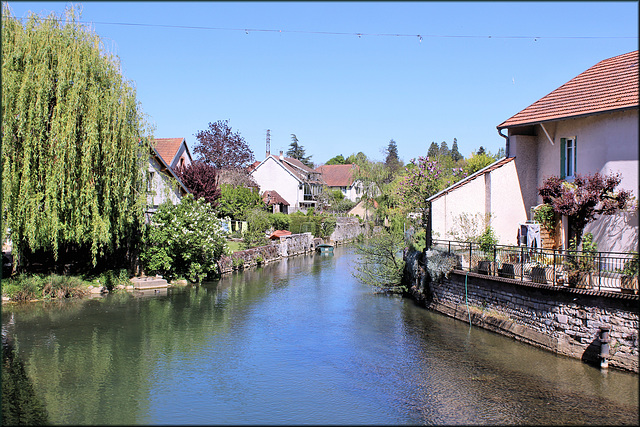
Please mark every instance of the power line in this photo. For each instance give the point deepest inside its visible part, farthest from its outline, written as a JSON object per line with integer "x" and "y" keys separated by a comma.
{"x": 333, "y": 33}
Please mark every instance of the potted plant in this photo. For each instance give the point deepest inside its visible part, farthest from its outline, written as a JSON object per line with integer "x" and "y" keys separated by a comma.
{"x": 629, "y": 279}
{"x": 487, "y": 242}
{"x": 580, "y": 266}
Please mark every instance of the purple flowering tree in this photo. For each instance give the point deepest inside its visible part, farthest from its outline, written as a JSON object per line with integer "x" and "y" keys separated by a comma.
{"x": 584, "y": 198}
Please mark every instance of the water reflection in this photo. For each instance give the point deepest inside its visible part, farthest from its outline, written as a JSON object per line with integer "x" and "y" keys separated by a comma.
{"x": 296, "y": 342}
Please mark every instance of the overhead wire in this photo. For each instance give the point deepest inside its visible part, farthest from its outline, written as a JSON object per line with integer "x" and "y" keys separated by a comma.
{"x": 358, "y": 34}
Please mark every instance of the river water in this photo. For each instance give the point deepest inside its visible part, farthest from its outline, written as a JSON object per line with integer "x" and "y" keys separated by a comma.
{"x": 296, "y": 342}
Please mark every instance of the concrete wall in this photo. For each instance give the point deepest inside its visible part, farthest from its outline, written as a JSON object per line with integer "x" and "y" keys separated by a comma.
{"x": 558, "y": 319}
{"x": 497, "y": 192}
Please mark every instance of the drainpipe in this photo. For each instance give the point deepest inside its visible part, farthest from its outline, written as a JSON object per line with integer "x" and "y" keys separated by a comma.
{"x": 506, "y": 143}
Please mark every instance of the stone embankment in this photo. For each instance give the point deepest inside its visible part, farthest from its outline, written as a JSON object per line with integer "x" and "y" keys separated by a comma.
{"x": 294, "y": 244}
{"x": 559, "y": 319}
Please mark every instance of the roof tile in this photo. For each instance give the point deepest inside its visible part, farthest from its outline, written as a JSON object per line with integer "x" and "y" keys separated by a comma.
{"x": 611, "y": 84}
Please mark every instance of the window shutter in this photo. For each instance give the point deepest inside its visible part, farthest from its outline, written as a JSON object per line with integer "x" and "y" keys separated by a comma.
{"x": 575, "y": 155}
{"x": 563, "y": 160}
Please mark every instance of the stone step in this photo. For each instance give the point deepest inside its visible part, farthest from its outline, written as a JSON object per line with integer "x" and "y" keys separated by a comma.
{"x": 149, "y": 282}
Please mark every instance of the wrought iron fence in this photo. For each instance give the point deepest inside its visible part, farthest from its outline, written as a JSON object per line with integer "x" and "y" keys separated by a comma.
{"x": 607, "y": 271}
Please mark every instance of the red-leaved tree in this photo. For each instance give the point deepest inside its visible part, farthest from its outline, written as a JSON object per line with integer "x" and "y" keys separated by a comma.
{"x": 201, "y": 180}
{"x": 584, "y": 198}
{"x": 222, "y": 148}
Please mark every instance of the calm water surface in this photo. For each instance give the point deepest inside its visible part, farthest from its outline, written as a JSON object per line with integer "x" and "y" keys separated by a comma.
{"x": 297, "y": 342}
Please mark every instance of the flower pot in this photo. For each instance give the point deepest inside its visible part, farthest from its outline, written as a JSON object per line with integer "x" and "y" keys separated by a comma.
{"x": 629, "y": 285}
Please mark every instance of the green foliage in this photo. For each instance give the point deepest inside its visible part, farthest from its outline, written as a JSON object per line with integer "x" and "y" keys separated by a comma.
{"x": 478, "y": 161}
{"x": 632, "y": 266}
{"x": 183, "y": 240}
{"x": 380, "y": 262}
{"x": 259, "y": 222}
{"x": 26, "y": 287}
{"x": 488, "y": 240}
{"x": 296, "y": 151}
{"x": 280, "y": 221}
{"x": 546, "y": 216}
{"x": 578, "y": 263}
{"x": 337, "y": 160}
{"x": 73, "y": 149}
{"x": 237, "y": 202}
{"x": 20, "y": 403}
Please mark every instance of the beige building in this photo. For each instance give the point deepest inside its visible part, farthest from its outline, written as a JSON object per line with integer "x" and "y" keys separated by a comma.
{"x": 588, "y": 125}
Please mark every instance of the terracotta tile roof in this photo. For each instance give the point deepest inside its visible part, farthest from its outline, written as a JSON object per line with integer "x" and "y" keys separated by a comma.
{"x": 271, "y": 197}
{"x": 167, "y": 147}
{"x": 279, "y": 233}
{"x": 337, "y": 175}
{"x": 611, "y": 84}
{"x": 495, "y": 165}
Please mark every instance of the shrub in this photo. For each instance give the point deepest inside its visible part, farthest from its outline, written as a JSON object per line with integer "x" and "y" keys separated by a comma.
{"x": 183, "y": 240}
{"x": 439, "y": 263}
{"x": 487, "y": 240}
{"x": 63, "y": 287}
{"x": 280, "y": 221}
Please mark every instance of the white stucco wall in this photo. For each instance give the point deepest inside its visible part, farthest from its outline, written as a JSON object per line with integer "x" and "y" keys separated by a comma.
{"x": 606, "y": 143}
{"x": 162, "y": 186}
{"x": 270, "y": 175}
{"x": 497, "y": 192}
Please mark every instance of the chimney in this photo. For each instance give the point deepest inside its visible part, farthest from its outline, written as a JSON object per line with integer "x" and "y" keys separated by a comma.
{"x": 281, "y": 156}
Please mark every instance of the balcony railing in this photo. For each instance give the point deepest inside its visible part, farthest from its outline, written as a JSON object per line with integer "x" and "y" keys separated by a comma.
{"x": 605, "y": 271}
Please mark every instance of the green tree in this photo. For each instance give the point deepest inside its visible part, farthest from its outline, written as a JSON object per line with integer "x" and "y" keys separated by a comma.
{"x": 455, "y": 154}
{"x": 296, "y": 151}
{"x": 74, "y": 142}
{"x": 392, "y": 162}
{"x": 478, "y": 161}
{"x": 236, "y": 202}
{"x": 444, "y": 149}
{"x": 183, "y": 240}
{"x": 380, "y": 262}
{"x": 433, "y": 150}
{"x": 337, "y": 160}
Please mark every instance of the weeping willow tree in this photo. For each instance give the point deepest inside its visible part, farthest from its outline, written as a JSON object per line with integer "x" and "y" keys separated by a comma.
{"x": 73, "y": 140}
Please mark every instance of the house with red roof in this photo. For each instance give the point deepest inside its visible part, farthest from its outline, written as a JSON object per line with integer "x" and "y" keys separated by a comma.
{"x": 296, "y": 185}
{"x": 340, "y": 177}
{"x": 163, "y": 184}
{"x": 587, "y": 125}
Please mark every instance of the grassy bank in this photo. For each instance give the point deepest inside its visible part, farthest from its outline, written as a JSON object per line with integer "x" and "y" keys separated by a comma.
{"x": 27, "y": 287}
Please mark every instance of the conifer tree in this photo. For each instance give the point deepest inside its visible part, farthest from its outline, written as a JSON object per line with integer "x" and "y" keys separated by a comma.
{"x": 296, "y": 151}
{"x": 455, "y": 154}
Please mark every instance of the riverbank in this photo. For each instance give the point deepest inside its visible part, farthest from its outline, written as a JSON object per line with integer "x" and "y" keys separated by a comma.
{"x": 561, "y": 320}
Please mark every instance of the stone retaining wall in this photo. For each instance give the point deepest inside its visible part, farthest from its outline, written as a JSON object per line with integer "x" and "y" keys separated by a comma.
{"x": 559, "y": 319}
{"x": 294, "y": 244}
{"x": 347, "y": 229}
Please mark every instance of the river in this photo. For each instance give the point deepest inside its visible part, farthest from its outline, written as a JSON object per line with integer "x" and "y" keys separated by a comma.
{"x": 296, "y": 342}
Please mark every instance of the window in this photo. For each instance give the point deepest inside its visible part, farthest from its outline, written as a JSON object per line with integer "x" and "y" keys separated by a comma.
{"x": 150, "y": 181}
{"x": 568, "y": 149}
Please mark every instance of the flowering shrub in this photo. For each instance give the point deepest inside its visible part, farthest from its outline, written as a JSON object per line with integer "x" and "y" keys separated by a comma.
{"x": 183, "y": 240}
{"x": 439, "y": 263}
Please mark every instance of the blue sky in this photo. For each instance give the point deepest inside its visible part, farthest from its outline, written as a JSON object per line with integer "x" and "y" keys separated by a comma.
{"x": 478, "y": 63}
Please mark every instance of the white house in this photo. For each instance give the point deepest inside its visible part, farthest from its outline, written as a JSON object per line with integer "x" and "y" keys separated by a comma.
{"x": 296, "y": 184}
{"x": 340, "y": 177}
{"x": 163, "y": 184}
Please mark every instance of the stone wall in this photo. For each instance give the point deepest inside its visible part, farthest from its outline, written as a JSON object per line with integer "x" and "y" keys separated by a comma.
{"x": 559, "y": 319}
{"x": 347, "y": 229}
{"x": 291, "y": 245}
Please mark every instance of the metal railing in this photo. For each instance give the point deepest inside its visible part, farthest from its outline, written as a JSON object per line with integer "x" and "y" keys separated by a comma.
{"x": 558, "y": 267}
